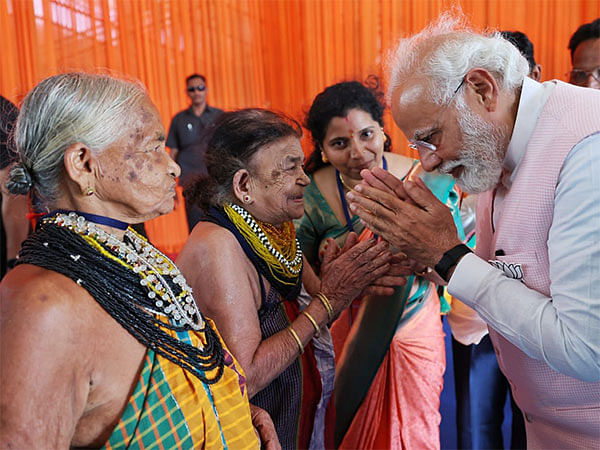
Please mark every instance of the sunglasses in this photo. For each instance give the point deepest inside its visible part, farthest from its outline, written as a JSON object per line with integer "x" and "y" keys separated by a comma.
{"x": 196, "y": 88}
{"x": 580, "y": 76}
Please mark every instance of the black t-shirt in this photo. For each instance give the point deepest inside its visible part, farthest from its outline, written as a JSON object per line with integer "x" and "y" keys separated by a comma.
{"x": 186, "y": 134}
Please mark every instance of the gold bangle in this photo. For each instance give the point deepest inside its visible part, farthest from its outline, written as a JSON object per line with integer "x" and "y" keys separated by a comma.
{"x": 326, "y": 303}
{"x": 313, "y": 321}
{"x": 298, "y": 341}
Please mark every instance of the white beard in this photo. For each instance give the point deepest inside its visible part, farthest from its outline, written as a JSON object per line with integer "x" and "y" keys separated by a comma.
{"x": 481, "y": 155}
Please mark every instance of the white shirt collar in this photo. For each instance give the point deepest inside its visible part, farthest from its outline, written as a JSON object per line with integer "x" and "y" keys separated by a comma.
{"x": 533, "y": 98}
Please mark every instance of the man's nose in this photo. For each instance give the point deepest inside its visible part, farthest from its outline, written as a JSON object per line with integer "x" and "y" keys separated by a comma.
{"x": 429, "y": 160}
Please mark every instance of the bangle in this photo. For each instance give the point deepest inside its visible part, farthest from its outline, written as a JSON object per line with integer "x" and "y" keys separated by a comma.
{"x": 298, "y": 341}
{"x": 450, "y": 259}
{"x": 326, "y": 303}
{"x": 313, "y": 321}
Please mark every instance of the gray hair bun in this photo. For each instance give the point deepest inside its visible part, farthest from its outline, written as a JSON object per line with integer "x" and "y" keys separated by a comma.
{"x": 19, "y": 180}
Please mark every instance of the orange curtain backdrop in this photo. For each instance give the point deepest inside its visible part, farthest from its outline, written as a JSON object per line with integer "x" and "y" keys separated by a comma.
{"x": 270, "y": 53}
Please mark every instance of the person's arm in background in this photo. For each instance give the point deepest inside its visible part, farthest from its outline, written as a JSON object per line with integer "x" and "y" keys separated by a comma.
{"x": 14, "y": 207}
{"x": 14, "y": 217}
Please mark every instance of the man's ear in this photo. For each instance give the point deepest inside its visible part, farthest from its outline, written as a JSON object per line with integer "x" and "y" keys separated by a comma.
{"x": 483, "y": 88}
{"x": 241, "y": 186}
{"x": 80, "y": 165}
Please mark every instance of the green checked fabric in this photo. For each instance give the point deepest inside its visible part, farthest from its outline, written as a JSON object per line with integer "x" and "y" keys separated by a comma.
{"x": 161, "y": 423}
{"x": 172, "y": 409}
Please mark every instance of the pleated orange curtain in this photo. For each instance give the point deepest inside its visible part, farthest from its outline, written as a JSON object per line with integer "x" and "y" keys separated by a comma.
{"x": 267, "y": 53}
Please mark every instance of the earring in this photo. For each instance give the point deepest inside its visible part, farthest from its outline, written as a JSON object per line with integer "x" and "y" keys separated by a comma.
{"x": 324, "y": 157}
{"x": 246, "y": 198}
{"x": 89, "y": 192}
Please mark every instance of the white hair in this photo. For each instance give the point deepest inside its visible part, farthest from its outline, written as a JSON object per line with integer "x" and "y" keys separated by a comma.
{"x": 62, "y": 110}
{"x": 481, "y": 153}
{"x": 443, "y": 53}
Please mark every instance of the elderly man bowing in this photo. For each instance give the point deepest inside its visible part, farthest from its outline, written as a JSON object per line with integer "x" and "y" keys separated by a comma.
{"x": 532, "y": 151}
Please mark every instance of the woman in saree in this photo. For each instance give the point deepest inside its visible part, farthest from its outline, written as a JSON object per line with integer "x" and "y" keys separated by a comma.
{"x": 389, "y": 350}
{"x": 248, "y": 272}
{"x": 101, "y": 342}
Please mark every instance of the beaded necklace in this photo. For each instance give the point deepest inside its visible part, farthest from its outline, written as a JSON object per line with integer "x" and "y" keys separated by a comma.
{"x": 285, "y": 256}
{"x": 273, "y": 251}
{"x": 134, "y": 283}
{"x": 145, "y": 260}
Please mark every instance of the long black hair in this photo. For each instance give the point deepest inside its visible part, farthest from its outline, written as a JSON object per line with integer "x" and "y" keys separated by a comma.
{"x": 336, "y": 101}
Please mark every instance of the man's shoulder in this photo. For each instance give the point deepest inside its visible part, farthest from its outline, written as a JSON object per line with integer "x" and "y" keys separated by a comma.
{"x": 212, "y": 112}
{"x": 576, "y": 99}
{"x": 214, "y": 109}
{"x": 181, "y": 114}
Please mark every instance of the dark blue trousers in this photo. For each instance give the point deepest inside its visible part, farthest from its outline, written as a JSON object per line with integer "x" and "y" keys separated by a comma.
{"x": 481, "y": 391}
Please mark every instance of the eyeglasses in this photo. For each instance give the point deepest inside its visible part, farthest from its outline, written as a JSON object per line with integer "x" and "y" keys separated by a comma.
{"x": 196, "y": 88}
{"x": 577, "y": 76}
{"x": 417, "y": 144}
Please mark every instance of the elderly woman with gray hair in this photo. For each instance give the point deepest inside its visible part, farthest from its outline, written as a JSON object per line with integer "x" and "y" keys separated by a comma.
{"x": 245, "y": 264}
{"x": 101, "y": 341}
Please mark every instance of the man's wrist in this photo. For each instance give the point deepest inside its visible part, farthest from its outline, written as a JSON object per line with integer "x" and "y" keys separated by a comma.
{"x": 449, "y": 260}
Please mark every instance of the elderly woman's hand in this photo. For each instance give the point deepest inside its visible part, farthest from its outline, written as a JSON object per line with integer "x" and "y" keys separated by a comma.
{"x": 265, "y": 429}
{"x": 346, "y": 273}
{"x": 395, "y": 276}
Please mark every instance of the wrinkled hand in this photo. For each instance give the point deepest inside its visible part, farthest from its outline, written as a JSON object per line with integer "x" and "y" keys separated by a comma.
{"x": 335, "y": 251}
{"x": 395, "y": 276}
{"x": 381, "y": 286}
{"x": 347, "y": 272}
{"x": 265, "y": 429}
{"x": 406, "y": 214}
{"x": 409, "y": 265}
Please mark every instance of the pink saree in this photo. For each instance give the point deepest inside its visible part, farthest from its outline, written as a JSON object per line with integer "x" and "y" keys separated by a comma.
{"x": 401, "y": 409}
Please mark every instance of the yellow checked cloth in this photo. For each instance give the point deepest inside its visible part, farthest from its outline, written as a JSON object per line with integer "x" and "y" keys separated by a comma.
{"x": 172, "y": 409}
